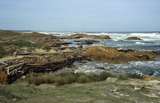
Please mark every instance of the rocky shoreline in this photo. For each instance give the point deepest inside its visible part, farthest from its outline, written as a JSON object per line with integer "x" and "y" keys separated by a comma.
{"x": 42, "y": 68}
{"x": 45, "y": 53}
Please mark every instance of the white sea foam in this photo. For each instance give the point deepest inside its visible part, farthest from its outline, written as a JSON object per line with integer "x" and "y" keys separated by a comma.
{"x": 138, "y": 67}
{"x": 123, "y": 36}
{"x": 147, "y": 36}
{"x": 114, "y": 36}
{"x": 140, "y": 43}
{"x": 144, "y": 36}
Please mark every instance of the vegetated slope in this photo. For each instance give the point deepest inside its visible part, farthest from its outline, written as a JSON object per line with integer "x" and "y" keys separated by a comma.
{"x": 11, "y": 42}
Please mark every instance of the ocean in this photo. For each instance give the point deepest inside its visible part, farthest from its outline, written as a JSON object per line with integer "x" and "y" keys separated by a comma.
{"x": 149, "y": 42}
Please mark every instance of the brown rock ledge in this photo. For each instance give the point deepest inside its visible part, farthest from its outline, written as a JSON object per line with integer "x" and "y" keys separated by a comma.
{"x": 113, "y": 55}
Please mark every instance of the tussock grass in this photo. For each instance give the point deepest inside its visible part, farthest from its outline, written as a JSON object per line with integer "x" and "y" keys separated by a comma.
{"x": 2, "y": 52}
{"x": 65, "y": 78}
{"x": 69, "y": 78}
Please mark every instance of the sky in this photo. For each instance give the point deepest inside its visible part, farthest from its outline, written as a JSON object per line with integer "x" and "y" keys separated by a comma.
{"x": 80, "y": 15}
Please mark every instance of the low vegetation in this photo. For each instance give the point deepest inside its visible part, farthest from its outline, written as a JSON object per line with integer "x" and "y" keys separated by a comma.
{"x": 111, "y": 90}
{"x": 65, "y": 78}
{"x": 11, "y": 41}
{"x": 69, "y": 78}
{"x": 2, "y": 52}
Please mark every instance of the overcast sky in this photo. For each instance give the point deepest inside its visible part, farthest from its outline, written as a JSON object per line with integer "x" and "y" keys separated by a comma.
{"x": 80, "y": 15}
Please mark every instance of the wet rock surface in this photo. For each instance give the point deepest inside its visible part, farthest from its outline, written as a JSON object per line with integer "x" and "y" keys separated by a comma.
{"x": 139, "y": 68}
{"x": 86, "y": 42}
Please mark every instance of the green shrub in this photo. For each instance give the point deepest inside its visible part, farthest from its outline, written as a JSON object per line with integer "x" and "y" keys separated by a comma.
{"x": 65, "y": 78}
{"x": 36, "y": 81}
{"x": 104, "y": 76}
{"x": 83, "y": 78}
{"x": 2, "y": 52}
{"x": 123, "y": 77}
{"x": 23, "y": 43}
{"x": 58, "y": 79}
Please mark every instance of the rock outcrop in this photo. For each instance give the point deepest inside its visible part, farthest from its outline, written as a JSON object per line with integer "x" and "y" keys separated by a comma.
{"x": 133, "y": 38}
{"x": 85, "y": 36}
{"x": 85, "y": 42}
{"x": 18, "y": 67}
{"x": 113, "y": 55}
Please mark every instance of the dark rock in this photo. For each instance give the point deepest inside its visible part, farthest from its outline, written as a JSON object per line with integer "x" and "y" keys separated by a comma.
{"x": 86, "y": 42}
{"x": 125, "y": 50}
{"x": 133, "y": 38}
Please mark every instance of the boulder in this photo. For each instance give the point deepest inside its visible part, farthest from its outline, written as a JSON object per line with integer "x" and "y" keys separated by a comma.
{"x": 133, "y": 38}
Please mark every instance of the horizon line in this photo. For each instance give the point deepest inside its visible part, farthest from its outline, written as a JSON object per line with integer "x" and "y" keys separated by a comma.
{"x": 18, "y": 30}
